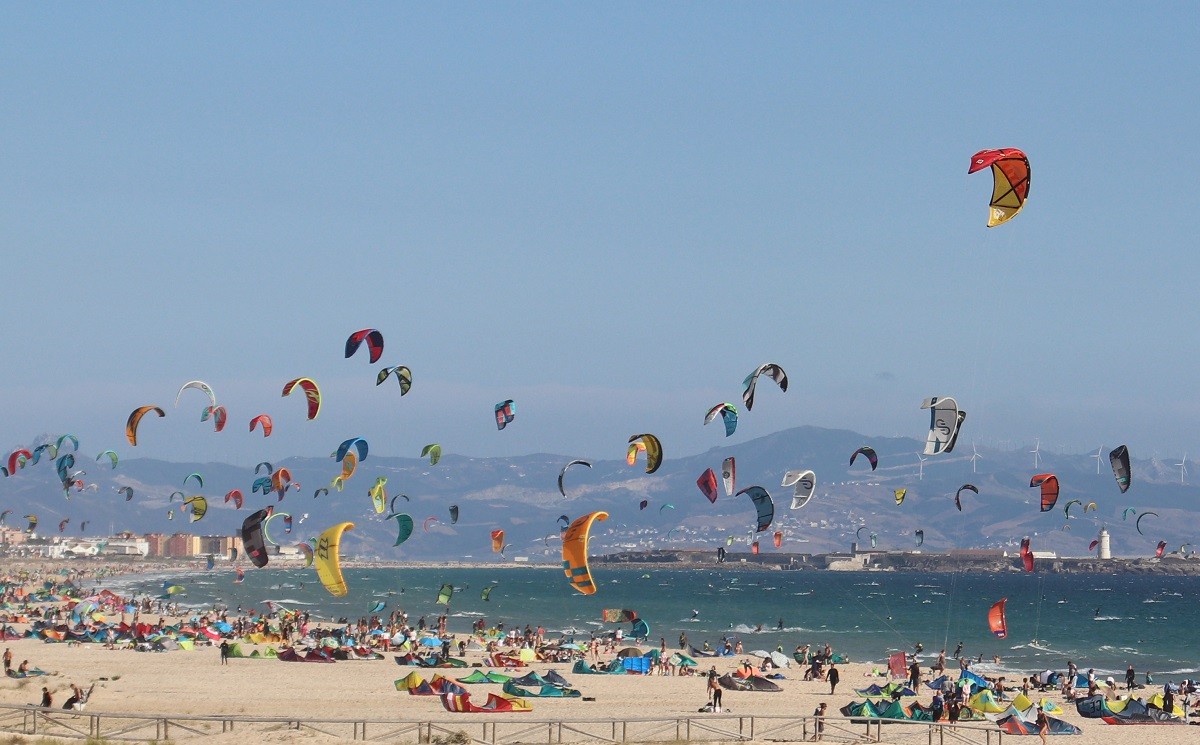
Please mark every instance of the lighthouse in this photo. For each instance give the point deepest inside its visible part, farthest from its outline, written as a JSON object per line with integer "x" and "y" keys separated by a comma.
{"x": 1105, "y": 549}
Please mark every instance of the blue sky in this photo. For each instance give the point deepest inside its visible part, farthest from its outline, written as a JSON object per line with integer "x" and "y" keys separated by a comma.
{"x": 610, "y": 213}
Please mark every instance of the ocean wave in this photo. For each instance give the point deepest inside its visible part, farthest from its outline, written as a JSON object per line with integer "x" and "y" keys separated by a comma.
{"x": 287, "y": 601}
{"x": 466, "y": 614}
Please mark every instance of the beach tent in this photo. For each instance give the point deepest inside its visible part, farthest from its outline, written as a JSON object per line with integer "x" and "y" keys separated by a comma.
{"x": 629, "y": 652}
{"x": 639, "y": 665}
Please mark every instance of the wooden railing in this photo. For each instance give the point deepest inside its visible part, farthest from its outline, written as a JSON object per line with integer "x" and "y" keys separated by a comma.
{"x": 495, "y": 729}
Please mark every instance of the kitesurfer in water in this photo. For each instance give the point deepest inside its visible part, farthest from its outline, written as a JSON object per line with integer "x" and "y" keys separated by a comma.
{"x": 695, "y": 614}
{"x": 780, "y": 626}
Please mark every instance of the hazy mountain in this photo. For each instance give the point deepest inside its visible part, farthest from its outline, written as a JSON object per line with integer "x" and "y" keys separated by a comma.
{"x": 520, "y": 495}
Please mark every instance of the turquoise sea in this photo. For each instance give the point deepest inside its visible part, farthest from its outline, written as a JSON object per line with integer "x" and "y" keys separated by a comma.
{"x": 1101, "y": 621}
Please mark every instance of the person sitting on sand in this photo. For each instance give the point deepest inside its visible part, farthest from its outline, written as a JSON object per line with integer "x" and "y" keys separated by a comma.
{"x": 23, "y": 667}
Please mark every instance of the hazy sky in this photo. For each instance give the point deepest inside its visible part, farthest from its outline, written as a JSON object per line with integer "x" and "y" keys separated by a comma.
{"x": 610, "y": 213}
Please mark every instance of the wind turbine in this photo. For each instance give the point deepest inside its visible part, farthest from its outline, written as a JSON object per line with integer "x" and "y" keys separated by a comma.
{"x": 1097, "y": 457}
{"x": 1182, "y": 465}
{"x": 974, "y": 457}
{"x": 921, "y": 467}
{"x": 1036, "y": 453}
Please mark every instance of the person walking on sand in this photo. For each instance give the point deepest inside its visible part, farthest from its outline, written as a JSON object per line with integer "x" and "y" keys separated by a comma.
{"x": 833, "y": 676}
{"x": 47, "y": 699}
{"x": 7, "y": 659}
{"x": 1043, "y": 724}
{"x": 820, "y": 715}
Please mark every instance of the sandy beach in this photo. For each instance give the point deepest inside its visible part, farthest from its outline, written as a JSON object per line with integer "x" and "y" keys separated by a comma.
{"x": 194, "y": 682}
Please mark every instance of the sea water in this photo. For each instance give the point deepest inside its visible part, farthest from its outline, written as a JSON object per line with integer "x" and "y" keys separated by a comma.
{"x": 1103, "y": 621}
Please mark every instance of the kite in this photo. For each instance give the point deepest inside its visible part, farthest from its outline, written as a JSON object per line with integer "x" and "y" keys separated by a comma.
{"x": 762, "y": 503}
{"x": 311, "y": 392}
{"x": 262, "y": 484}
{"x": 374, "y": 341}
{"x": 19, "y": 457}
{"x": 1138, "y": 523}
{"x": 199, "y": 507}
{"x": 708, "y": 485}
{"x": 210, "y": 563}
{"x": 201, "y": 386}
{"x": 958, "y": 494}
{"x": 945, "y": 420}
{"x": 1026, "y": 555}
{"x": 269, "y": 468}
{"x": 317, "y": 493}
{"x": 127, "y": 491}
{"x": 1119, "y": 459}
{"x": 1067, "y": 509}
{"x": 33, "y": 521}
{"x": 920, "y": 536}
{"x": 307, "y": 551}
{"x": 219, "y": 416}
{"x": 1090, "y": 507}
{"x": 238, "y": 575}
{"x": 403, "y": 377}
{"x": 563, "y": 472}
{"x": 198, "y": 477}
{"x": 51, "y": 448}
{"x": 328, "y": 559}
{"x": 1127, "y": 512}
{"x": 805, "y": 483}
{"x": 643, "y": 504}
{"x": 778, "y": 538}
{"x": 280, "y": 481}
{"x": 267, "y": 526}
{"x": 486, "y": 594}
{"x": 575, "y": 552}
{"x": 729, "y": 475}
{"x": 112, "y": 456}
{"x": 74, "y": 443}
{"x": 632, "y": 453}
{"x": 62, "y": 524}
{"x": 506, "y": 411}
{"x": 869, "y": 452}
{"x": 1049, "y": 484}
{"x": 253, "y": 543}
{"x": 135, "y": 418}
{"x": 379, "y": 495}
{"x": 445, "y": 594}
{"x": 357, "y": 443}
{"x": 773, "y": 371}
{"x": 497, "y": 541}
{"x": 428, "y": 521}
{"x": 996, "y": 620}
{"x": 654, "y": 453}
{"x": 899, "y": 495}
{"x": 235, "y": 495}
{"x": 434, "y": 451}
{"x": 349, "y": 466}
{"x": 392, "y": 506}
{"x": 727, "y": 412}
{"x": 404, "y": 528}
{"x": 1158, "y": 552}
{"x": 265, "y": 422}
{"x": 453, "y": 514}
{"x": 1010, "y": 181}
{"x": 666, "y": 506}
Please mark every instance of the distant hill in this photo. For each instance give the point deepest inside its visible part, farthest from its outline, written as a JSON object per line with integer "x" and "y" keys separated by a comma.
{"x": 520, "y": 495}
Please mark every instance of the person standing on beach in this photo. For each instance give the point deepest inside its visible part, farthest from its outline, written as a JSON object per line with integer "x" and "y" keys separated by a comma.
{"x": 1043, "y": 724}
{"x": 683, "y": 640}
{"x": 7, "y": 659}
{"x": 1130, "y": 678}
{"x": 914, "y": 675}
{"x": 714, "y": 691}
{"x": 820, "y": 715}
{"x": 224, "y": 651}
{"x": 833, "y": 676}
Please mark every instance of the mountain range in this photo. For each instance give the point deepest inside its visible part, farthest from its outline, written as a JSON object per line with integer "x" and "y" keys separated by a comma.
{"x": 520, "y": 496}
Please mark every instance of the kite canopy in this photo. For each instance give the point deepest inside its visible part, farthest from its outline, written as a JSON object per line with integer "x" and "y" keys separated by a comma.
{"x": 254, "y": 543}
{"x": 135, "y": 418}
{"x": 264, "y": 421}
{"x": 1010, "y": 181}
{"x": 404, "y": 528}
{"x": 945, "y": 419}
{"x": 402, "y": 374}
{"x": 1049, "y": 484}
{"x": 497, "y": 541}
{"x": 805, "y": 483}
{"x": 772, "y": 371}
{"x": 654, "y": 453}
{"x": 311, "y": 392}
{"x": 763, "y": 504}
{"x": 729, "y": 475}
{"x": 374, "y": 341}
{"x": 575, "y": 552}
{"x": 1026, "y": 555}
{"x": 506, "y": 411}
{"x": 727, "y": 412}
{"x": 899, "y": 495}
{"x": 708, "y": 485}
{"x": 958, "y": 494}
{"x": 434, "y": 451}
{"x": 1119, "y": 459}
{"x": 199, "y": 385}
{"x": 869, "y": 452}
{"x": 563, "y": 473}
{"x": 996, "y": 620}
{"x": 1138, "y": 523}
{"x": 328, "y": 559}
